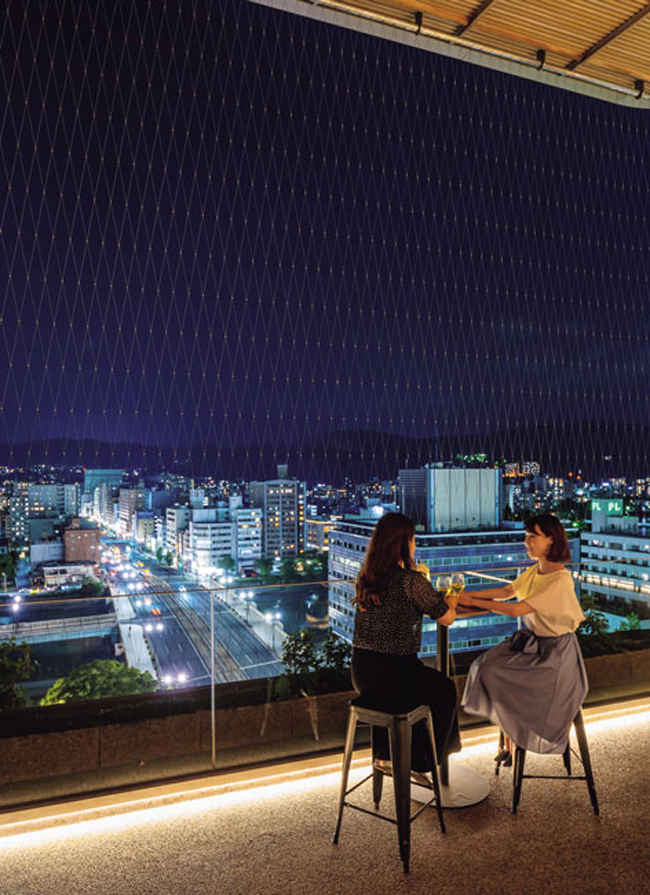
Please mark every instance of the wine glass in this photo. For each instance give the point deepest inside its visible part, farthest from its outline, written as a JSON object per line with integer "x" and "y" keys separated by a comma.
{"x": 457, "y": 583}
{"x": 443, "y": 585}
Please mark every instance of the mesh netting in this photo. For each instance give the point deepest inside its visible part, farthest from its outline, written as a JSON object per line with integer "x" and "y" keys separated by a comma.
{"x": 231, "y": 237}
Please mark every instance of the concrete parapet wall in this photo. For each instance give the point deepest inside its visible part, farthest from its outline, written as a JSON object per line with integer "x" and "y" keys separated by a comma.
{"x": 39, "y": 756}
{"x": 147, "y": 749}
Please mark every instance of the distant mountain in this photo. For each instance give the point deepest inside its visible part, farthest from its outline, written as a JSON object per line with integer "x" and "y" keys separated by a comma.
{"x": 596, "y": 448}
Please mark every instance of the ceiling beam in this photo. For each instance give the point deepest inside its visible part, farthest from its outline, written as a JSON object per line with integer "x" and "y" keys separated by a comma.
{"x": 475, "y": 16}
{"x": 380, "y": 24}
{"x": 605, "y": 41}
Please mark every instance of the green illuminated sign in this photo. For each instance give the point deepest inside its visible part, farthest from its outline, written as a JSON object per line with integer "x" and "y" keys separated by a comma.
{"x": 609, "y": 507}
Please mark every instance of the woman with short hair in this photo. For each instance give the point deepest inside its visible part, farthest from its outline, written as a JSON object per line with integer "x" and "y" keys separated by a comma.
{"x": 533, "y": 684}
{"x": 391, "y": 598}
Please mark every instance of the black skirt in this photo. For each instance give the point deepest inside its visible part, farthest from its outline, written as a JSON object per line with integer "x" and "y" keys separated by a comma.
{"x": 401, "y": 682}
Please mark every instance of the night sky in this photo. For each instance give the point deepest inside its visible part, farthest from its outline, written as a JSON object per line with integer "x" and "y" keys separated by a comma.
{"x": 224, "y": 225}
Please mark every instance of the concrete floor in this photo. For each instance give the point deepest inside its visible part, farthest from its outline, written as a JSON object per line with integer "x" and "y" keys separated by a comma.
{"x": 278, "y": 840}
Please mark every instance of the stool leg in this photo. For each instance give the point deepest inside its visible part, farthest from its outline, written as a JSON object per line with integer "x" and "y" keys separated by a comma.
{"x": 434, "y": 774}
{"x": 502, "y": 743}
{"x": 579, "y": 724}
{"x": 400, "y": 749}
{"x": 517, "y": 777}
{"x": 377, "y": 775}
{"x": 345, "y": 770}
{"x": 566, "y": 756}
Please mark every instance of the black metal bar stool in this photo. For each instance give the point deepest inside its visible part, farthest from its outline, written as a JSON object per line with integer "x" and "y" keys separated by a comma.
{"x": 399, "y": 725}
{"x": 518, "y": 775}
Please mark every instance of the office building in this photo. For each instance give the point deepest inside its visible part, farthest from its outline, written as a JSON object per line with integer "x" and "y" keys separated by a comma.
{"x": 444, "y": 498}
{"x": 217, "y": 533}
{"x": 211, "y": 539}
{"x": 615, "y": 563}
{"x": 93, "y": 478}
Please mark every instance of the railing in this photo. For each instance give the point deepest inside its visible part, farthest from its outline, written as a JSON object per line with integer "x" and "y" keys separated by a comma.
{"x": 206, "y": 645}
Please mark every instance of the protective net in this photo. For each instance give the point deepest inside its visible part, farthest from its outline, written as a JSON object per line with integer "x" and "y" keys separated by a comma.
{"x": 232, "y": 237}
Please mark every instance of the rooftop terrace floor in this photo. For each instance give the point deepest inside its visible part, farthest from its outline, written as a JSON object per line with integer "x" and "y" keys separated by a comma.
{"x": 277, "y": 838}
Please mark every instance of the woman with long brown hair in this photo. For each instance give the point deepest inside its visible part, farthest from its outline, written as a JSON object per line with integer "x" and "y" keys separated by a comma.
{"x": 391, "y": 598}
{"x": 533, "y": 684}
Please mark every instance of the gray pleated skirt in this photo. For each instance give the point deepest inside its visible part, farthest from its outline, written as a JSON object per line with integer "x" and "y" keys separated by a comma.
{"x": 531, "y": 687}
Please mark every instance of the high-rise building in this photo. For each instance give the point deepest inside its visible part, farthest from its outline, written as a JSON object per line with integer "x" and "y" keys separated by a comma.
{"x": 217, "y": 533}
{"x": 442, "y": 498}
{"x": 248, "y": 536}
{"x": 282, "y": 502}
{"x": 18, "y": 522}
{"x": 53, "y": 500}
{"x": 104, "y": 500}
{"x": 177, "y": 521}
{"x": 130, "y": 501}
{"x": 93, "y": 478}
{"x": 211, "y": 538}
{"x": 144, "y": 527}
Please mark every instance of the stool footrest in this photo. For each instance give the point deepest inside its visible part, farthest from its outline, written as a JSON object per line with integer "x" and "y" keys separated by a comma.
{"x": 392, "y": 820}
{"x": 551, "y": 777}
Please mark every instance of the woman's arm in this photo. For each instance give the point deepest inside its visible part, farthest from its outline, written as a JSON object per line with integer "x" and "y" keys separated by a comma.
{"x": 429, "y": 601}
{"x": 450, "y": 614}
{"x": 512, "y": 609}
{"x": 494, "y": 593}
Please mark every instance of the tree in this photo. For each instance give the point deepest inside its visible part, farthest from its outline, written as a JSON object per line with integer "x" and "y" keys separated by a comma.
{"x": 299, "y": 653}
{"x": 169, "y": 558}
{"x": 227, "y": 563}
{"x": 159, "y": 554}
{"x": 288, "y": 568}
{"x": 263, "y": 567}
{"x": 632, "y": 623}
{"x": 336, "y": 652}
{"x": 91, "y": 586}
{"x": 7, "y": 568}
{"x": 16, "y": 666}
{"x": 99, "y": 680}
{"x": 592, "y": 633}
{"x": 314, "y": 564}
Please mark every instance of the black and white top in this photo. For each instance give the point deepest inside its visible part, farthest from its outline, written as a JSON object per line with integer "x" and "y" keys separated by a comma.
{"x": 395, "y": 626}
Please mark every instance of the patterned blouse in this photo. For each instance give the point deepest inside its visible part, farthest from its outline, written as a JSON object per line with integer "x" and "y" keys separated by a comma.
{"x": 395, "y": 626}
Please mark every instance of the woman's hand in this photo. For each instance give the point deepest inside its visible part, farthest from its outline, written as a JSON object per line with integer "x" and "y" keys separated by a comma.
{"x": 452, "y": 601}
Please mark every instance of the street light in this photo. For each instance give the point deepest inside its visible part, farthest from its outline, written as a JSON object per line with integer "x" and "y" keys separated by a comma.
{"x": 273, "y": 618}
{"x": 248, "y": 597}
